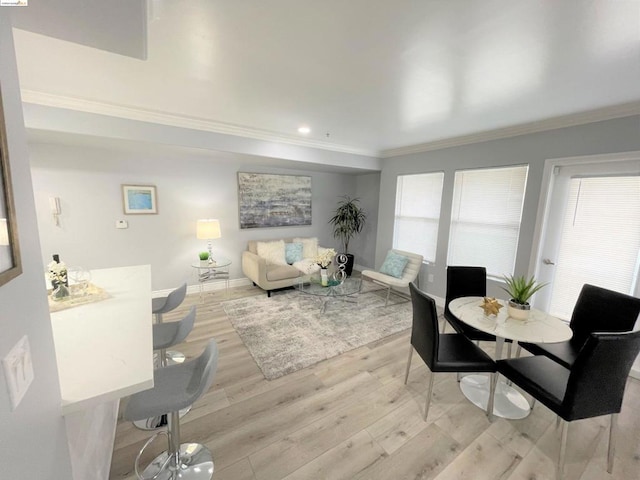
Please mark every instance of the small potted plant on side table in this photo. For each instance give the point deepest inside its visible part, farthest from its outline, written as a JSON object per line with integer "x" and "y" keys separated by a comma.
{"x": 520, "y": 290}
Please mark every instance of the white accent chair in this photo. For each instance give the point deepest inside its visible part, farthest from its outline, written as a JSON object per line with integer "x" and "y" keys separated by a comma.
{"x": 410, "y": 273}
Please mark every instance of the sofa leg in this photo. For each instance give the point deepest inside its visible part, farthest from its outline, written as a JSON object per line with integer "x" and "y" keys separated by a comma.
{"x": 268, "y": 293}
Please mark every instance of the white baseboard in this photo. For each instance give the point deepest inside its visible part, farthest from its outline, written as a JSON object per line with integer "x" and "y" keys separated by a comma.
{"x": 206, "y": 287}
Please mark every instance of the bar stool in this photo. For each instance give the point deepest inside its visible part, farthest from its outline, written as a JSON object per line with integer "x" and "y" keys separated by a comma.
{"x": 176, "y": 387}
{"x": 166, "y": 335}
{"x": 162, "y": 305}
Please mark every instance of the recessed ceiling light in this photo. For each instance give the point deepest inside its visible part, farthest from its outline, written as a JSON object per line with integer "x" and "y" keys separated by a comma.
{"x": 304, "y": 130}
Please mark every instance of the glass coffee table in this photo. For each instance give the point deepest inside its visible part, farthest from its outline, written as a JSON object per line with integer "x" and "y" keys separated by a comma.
{"x": 344, "y": 291}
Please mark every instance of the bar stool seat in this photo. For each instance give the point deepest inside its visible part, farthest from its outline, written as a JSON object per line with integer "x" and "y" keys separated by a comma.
{"x": 160, "y": 305}
{"x": 166, "y": 335}
{"x": 176, "y": 387}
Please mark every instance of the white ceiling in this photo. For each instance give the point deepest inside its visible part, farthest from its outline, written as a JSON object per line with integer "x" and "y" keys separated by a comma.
{"x": 367, "y": 76}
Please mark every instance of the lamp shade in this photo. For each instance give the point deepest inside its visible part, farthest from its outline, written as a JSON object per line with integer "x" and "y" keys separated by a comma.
{"x": 207, "y": 229}
{"x": 4, "y": 232}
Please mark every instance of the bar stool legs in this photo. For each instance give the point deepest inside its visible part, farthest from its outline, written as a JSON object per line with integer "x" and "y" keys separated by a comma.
{"x": 187, "y": 461}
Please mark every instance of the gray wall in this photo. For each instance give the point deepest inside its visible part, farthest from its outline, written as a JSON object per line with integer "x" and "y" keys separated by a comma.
{"x": 33, "y": 443}
{"x": 189, "y": 186}
{"x": 619, "y": 135}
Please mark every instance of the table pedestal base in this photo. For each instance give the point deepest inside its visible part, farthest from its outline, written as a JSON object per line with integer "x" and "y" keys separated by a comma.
{"x": 508, "y": 402}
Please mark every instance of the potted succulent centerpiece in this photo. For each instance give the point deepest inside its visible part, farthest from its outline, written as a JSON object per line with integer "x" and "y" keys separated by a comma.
{"x": 520, "y": 290}
{"x": 348, "y": 221}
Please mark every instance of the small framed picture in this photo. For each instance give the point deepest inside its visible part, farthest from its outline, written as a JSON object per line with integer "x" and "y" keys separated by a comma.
{"x": 139, "y": 199}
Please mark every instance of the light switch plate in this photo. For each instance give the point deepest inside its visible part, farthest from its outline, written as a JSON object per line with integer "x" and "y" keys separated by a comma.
{"x": 122, "y": 224}
{"x": 18, "y": 371}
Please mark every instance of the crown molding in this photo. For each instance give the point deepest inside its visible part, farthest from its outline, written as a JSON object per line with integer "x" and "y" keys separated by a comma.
{"x": 581, "y": 118}
{"x": 181, "y": 121}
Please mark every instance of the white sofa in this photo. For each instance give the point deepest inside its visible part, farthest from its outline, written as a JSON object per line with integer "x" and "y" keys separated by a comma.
{"x": 263, "y": 265}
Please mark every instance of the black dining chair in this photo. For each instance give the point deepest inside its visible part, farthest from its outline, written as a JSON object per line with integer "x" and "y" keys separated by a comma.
{"x": 466, "y": 282}
{"x": 593, "y": 386}
{"x": 442, "y": 352}
{"x": 597, "y": 310}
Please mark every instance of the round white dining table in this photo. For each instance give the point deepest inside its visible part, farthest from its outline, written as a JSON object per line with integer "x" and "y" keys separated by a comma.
{"x": 540, "y": 327}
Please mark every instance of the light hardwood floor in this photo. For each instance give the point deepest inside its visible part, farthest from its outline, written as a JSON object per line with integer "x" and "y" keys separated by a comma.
{"x": 351, "y": 417}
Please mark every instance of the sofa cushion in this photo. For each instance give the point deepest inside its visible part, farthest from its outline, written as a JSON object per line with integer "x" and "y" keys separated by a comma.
{"x": 394, "y": 264}
{"x": 293, "y": 252}
{"x": 309, "y": 246}
{"x": 281, "y": 272}
{"x": 272, "y": 252}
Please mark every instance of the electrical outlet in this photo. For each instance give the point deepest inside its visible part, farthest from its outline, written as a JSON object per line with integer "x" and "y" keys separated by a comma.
{"x": 122, "y": 224}
{"x": 18, "y": 371}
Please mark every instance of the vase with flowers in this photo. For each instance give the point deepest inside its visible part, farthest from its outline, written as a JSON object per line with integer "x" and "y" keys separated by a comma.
{"x": 324, "y": 259}
{"x": 59, "y": 279}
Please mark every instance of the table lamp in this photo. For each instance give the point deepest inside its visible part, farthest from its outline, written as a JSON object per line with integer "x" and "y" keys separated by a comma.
{"x": 208, "y": 229}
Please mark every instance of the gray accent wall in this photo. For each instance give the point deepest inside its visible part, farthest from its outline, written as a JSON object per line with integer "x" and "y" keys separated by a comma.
{"x": 88, "y": 180}
{"x": 33, "y": 441}
{"x": 611, "y": 136}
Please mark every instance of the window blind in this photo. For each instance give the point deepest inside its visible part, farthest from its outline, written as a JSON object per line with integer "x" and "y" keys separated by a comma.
{"x": 417, "y": 216}
{"x": 485, "y": 218}
{"x": 600, "y": 241}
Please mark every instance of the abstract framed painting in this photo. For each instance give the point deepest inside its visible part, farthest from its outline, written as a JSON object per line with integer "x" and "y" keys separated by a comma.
{"x": 10, "y": 264}
{"x": 272, "y": 200}
{"x": 139, "y": 199}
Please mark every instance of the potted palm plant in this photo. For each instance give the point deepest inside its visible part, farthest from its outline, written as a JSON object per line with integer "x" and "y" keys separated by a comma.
{"x": 520, "y": 290}
{"x": 348, "y": 221}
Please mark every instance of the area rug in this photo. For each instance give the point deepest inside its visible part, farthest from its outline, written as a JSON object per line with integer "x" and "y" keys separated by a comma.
{"x": 287, "y": 332}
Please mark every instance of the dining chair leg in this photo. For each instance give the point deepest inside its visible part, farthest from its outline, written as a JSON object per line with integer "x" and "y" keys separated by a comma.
{"x": 458, "y": 377}
{"x": 509, "y": 350}
{"x": 518, "y": 351}
{"x": 427, "y": 403}
{"x": 563, "y": 450}
{"x": 613, "y": 429}
{"x": 406, "y": 375}
{"x": 386, "y": 302}
{"x": 557, "y": 421}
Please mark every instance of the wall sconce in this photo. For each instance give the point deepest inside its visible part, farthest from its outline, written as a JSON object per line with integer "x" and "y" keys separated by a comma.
{"x": 208, "y": 229}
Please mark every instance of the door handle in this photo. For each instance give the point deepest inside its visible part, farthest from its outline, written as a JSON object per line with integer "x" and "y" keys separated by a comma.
{"x": 547, "y": 261}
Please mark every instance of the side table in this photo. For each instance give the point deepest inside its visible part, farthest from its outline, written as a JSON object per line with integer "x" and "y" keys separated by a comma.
{"x": 218, "y": 270}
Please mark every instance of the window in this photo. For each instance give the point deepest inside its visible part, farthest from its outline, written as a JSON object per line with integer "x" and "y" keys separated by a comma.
{"x": 485, "y": 218}
{"x": 600, "y": 241}
{"x": 418, "y": 199}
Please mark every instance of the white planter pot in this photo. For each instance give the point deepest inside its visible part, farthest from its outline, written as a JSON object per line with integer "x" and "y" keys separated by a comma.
{"x": 518, "y": 311}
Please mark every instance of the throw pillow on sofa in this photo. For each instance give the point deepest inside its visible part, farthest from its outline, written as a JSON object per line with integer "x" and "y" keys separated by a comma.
{"x": 309, "y": 246}
{"x": 293, "y": 252}
{"x": 272, "y": 252}
{"x": 394, "y": 264}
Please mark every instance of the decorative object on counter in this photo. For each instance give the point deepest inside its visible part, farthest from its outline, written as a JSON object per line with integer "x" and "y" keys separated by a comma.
{"x": 91, "y": 294}
{"x": 324, "y": 277}
{"x": 80, "y": 278}
{"x": 208, "y": 229}
{"x": 139, "y": 199}
{"x": 491, "y": 306}
{"x": 57, "y": 272}
{"x": 520, "y": 290}
{"x": 348, "y": 221}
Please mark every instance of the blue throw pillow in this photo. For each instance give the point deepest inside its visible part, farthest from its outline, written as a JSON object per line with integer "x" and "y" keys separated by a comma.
{"x": 394, "y": 264}
{"x": 292, "y": 252}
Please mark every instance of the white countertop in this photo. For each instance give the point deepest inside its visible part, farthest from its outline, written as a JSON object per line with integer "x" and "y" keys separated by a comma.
{"x": 104, "y": 349}
{"x": 539, "y": 328}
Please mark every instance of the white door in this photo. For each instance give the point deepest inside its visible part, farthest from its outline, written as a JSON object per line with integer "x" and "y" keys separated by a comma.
{"x": 591, "y": 232}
